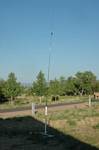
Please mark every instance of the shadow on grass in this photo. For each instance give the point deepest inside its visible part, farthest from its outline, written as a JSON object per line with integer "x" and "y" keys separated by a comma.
{"x": 25, "y": 133}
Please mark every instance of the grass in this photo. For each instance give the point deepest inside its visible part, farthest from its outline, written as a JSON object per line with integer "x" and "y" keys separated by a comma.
{"x": 96, "y": 126}
{"x": 71, "y": 130}
{"x": 82, "y": 124}
{"x": 77, "y": 114}
{"x": 27, "y": 101}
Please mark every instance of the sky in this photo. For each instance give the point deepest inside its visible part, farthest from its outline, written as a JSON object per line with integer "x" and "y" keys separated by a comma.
{"x": 26, "y": 41}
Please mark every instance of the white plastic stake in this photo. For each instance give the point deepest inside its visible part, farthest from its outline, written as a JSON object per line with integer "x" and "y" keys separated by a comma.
{"x": 33, "y": 109}
{"x": 45, "y": 110}
{"x": 45, "y": 132}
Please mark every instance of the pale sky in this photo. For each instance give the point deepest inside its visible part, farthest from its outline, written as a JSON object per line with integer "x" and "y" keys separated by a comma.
{"x": 25, "y": 27}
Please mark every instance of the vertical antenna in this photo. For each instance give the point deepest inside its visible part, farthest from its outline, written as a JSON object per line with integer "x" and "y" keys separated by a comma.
{"x": 51, "y": 36}
{"x": 49, "y": 62}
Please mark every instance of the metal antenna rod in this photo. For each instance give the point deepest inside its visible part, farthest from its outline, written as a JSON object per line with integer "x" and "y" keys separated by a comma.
{"x": 46, "y": 108}
{"x": 50, "y": 55}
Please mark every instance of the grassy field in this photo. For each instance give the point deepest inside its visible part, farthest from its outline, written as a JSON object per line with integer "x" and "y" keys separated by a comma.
{"x": 27, "y": 101}
{"x": 82, "y": 124}
{"x": 76, "y": 129}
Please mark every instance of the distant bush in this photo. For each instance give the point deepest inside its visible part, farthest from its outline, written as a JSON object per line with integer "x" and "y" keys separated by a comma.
{"x": 55, "y": 98}
{"x": 3, "y": 98}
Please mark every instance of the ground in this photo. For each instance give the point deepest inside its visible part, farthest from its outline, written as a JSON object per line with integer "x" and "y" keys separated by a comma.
{"x": 73, "y": 128}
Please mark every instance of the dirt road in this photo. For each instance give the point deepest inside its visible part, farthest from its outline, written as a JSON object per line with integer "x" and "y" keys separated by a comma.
{"x": 24, "y": 111}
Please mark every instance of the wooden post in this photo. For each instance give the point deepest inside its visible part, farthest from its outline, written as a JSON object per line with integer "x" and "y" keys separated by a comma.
{"x": 89, "y": 101}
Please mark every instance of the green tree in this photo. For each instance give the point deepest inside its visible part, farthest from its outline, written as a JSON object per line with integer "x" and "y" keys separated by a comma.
{"x": 85, "y": 82}
{"x": 40, "y": 85}
{"x": 70, "y": 86}
{"x": 62, "y": 83}
{"x": 54, "y": 87}
{"x": 2, "y": 96}
{"x": 96, "y": 86}
{"x": 12, "y": 87}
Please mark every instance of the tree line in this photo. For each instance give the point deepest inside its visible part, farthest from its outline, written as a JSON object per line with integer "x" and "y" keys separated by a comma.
{"x": 10, "y": 88}
{"x": 82, "y": 83}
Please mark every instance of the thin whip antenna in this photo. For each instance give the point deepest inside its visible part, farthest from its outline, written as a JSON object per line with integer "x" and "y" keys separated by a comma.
{"x": 51, "y": 36}
{"x": 49, "y": 62}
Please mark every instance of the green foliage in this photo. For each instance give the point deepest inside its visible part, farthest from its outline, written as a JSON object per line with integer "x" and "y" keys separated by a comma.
{"x": 96, "y": 86}
{"x": 62, "y": 82}
{"x": 54, "y": 87}
{"x": 12, "y": 87}
{"x": 82, "y": 84}
{"x": 2, "y": 96}
{"x": 85, "y": 82}
{"x": 70, "y": 86}
{"x": 27, "y": 91}
{"x": 40, "y": 85}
